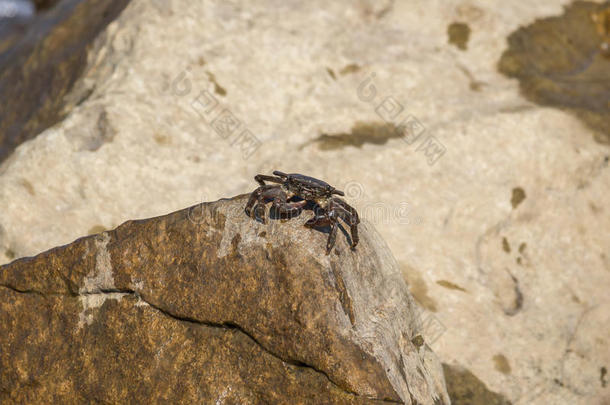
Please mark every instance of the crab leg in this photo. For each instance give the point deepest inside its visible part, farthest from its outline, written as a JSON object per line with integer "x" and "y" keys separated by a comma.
{"x": 280, "y": 174}
{"x": 258, "y": 197}
{"x": 332, "y": 236}
{"x": 260, "y": 179}
{"x": 336, "y": 209}
{"x": 287, "y": 208}
{"x": 318, "y": 220}
{"x": 254, "y": 197}
{"x": 348, "y": 208}
{"x": 323, "y": 219}
{"x": 347, "y": 213}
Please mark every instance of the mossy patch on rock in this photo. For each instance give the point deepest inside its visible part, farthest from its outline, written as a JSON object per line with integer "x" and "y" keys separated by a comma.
{"x": 501, "y": 364}
{"x": 466, "y": 389}
{"x": 419, "y": 289}
{"x": 351, "y": 68}
{"x": 517, "y": 197}
{"x": 561, "y": 62}
{"x": 9, "y": 253}
{"x": 449, "y": 285}
{"x": 459, "y": 34}
{"x": 376, "y": 133}
{"x": 505, "y": 245}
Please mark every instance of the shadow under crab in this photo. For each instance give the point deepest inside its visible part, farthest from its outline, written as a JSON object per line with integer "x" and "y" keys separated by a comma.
{"x": 294, "y": 192}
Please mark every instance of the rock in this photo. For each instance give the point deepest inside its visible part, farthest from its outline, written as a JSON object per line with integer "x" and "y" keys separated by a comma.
{"x": 206, "y": 304}
{"x": 315, "y": 82}
{"x": 571, "y": 71}
{"x": 40, "y": 61}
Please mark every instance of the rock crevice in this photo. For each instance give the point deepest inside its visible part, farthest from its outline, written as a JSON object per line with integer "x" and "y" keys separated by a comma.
{"x": 112, "y": 293}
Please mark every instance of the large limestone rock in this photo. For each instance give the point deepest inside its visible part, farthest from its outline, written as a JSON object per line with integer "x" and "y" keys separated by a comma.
{"x": 503, "y": 239}
{"x": 206, "y": 304}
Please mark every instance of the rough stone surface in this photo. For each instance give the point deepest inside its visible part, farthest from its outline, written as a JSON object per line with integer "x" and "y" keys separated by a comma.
{"x": 504, "y": 239}
{"x": 206, "y": 304}
{"x": 40, "y": 60}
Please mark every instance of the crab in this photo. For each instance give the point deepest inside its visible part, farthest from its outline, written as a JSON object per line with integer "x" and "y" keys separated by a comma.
{"x": 292, "y": 192}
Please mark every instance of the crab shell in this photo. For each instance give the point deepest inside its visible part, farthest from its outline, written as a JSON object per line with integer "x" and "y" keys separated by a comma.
{"x": 308, "y": 188}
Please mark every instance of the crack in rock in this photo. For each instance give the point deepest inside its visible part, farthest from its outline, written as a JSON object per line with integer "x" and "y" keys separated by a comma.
{"x": 97, "y": 298}
{"x": 343, "y": 317}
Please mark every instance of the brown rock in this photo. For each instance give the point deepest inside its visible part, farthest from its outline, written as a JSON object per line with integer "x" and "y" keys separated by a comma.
{"x": 206, "y": 304}
{"x": 40, "y": 62}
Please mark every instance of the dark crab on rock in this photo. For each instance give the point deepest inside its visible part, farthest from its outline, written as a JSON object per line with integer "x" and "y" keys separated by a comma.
{"x": 293, "y": 192}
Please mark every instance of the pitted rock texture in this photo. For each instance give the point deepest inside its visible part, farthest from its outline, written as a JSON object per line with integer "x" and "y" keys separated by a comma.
{"x": 207, "y": 304}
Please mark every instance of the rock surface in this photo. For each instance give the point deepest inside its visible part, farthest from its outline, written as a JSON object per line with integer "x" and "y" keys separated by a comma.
{"x": 206, "y": 304}
{"x": 573, "y": 70}
{"x": 41, "y": 59}
{"x": 503, "y": 239}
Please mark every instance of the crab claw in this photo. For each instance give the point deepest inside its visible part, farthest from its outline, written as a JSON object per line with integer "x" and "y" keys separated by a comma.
{"x": 278, "y": 173}
{"x": 259, "y": 211}
{"x": 338, "y": 192}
